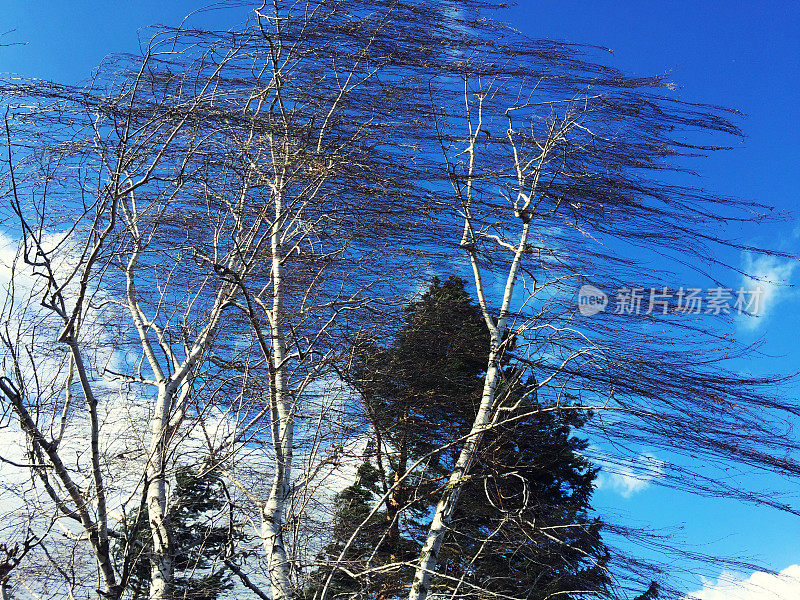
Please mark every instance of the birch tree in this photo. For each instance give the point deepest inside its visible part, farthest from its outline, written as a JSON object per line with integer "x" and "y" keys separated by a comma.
{"x": 225, "y": 173}
{"x": 524, "y": 529}
{"x": 211, "y": 222}
{"x": 127, "y": 150}
{"x": 555, "y": 166}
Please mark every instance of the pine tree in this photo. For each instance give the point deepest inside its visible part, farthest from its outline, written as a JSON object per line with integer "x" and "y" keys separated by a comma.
{"x": 421, "y": 393}
{"x": 524, "y": 525}
{"x": 200, "y": 544}
{"x": 652, "y": 593}
{"x": 524, "y": 528}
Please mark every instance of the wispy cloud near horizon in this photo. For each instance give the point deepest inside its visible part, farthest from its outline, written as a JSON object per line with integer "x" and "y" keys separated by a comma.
{"x": 630, "y": 476}
{"x": 758, "y": 586}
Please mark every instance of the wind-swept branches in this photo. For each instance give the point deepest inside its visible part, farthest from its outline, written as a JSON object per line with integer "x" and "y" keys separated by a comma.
{"x": 556, "y": 174}
{"x": 206, "y": 230}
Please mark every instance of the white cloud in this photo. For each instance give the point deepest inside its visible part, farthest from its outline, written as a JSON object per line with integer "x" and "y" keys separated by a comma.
{"x": 768, "y": 279}
{"x": 629, "y": 476}
{"x": 626, "y": 484}
{"x": 759, "y": 586}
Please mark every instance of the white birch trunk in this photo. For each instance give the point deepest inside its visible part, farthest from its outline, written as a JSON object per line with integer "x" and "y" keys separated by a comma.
{"x": 429, "y": 554}
{"x": 273, "y": 512}
{"x": 272, "y": 517}
{"x": 161, "y": 564}
{"x": 447, "y": 503}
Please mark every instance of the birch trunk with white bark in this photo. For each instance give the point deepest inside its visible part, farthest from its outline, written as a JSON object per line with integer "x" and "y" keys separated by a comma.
{"x": 273, "y": 512}
{"x": 483, "y": 421}
{"x": 161, "y": 565}
{"x": 173, "y": 389}
{"x": 429, "y": 554}
{"x": 498, "y": 330}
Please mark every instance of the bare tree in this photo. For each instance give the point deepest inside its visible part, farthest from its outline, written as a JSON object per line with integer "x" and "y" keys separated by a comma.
{"x": 222, "y": 173}
{"x": 209, "y": 224}
{"x": 555, "y": 167}
{"x": 561, "y": 171}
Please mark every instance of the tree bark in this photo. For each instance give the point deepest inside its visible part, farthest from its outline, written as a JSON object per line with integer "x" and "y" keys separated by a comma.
{"x": 447, "y": 504}
{"x": 273, "y": 513}
{"x": 429, "y": 554}
{"x": 161, "y": 564}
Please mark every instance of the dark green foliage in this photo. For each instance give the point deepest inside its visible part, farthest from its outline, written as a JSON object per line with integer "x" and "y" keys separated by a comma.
{"x": 421, "y": 393}
{"x": 430, "y": 377}
{"x": 198, "y": 544}
{"x": 652, "y": 593}
{"x": 523, "y": 527}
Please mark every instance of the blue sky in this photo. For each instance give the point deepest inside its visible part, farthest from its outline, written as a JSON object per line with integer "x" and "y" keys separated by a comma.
{"x": 745, "y": 55}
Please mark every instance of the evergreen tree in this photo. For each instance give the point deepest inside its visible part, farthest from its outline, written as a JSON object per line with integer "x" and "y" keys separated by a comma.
{"x": 421, "y": 393}
{"x": 523, "y": 525}
{"x": 523, "y": 528}
{"x": 352, "y": 506}
{"x": 200, "y": 544}
{"x": 653, "y": 592}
